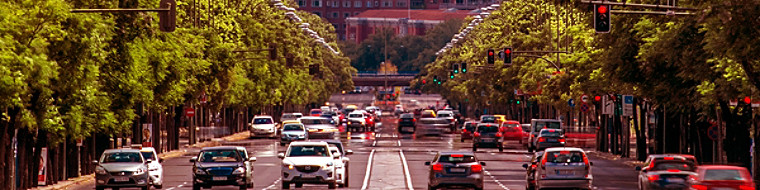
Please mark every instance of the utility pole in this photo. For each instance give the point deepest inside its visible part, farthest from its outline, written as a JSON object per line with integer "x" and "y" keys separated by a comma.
{"x": 385, "y": 61}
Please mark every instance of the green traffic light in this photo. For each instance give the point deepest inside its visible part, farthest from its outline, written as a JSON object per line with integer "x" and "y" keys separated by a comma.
{"x": 439, "y": 82}
{"x": 464, "y": 70}
{"x": 518, "y": 101}
{"x": 452, "y": 76}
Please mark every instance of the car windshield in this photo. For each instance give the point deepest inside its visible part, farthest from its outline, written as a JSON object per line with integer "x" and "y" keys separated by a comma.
{"x": 723, "y": 174}
{"x": 147, "y": 155}
{"x": 316, "y": 111}
{"x": 355, "y": 115}
{"x": 564, "y": 157}
{"x": 308, "y": 151}
{"x": 444, "y": 115}
{"x": 262, "y": 121}
{"x": 678, "y": 165}
{"x": 314, "y": 121}
{"x": 486, "y": 129}
{"x": 456, "y": 158}
{"x": 433, "y": 121}
{"x": 550, "y": 133}
{"x": 220, "y": 156}
{"x": 123, "y": 157}
{"x": 546, "y": 125}
{"x": 293, "y": 127}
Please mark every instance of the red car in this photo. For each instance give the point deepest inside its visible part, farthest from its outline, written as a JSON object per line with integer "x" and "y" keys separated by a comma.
{"x": 467, "y": 130}
{"x": 513, "y": 131}
{"x": 315, "y": 112}
{"x": 370, "y": 121}
{"x": 722, "y": 177}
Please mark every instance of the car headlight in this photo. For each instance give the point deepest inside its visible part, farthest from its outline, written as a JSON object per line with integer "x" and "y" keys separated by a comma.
{"x": 100, "y": 170}
{"x": 139, "y": 171}
{"x": 289, "y": 166}
{"x": 239, "y": 170}
{"x": 200, "y": 171}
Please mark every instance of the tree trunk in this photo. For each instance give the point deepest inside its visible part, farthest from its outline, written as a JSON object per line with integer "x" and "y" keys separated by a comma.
{"x": 641, "y": 138}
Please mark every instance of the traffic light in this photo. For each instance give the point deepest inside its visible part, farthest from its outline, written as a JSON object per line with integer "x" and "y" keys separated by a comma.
{"x": 451, "y": 74}
{"x": 597, "y": 98}
{"x": 464, "y": 67}
{"x": 508, "y": 56}
{"x": 747, "y": 100}
{"x": 435, "y": 79}
{"x": 491, "y": 55}
{"x": 423, "y": 81}
{"x": 602, "y": 18}
{"x": 456, "y": 68}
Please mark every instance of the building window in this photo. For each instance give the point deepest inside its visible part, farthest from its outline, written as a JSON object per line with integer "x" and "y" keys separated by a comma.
{"x": 377, "y": 3}
{"x": 335, "y": 15}
{"x": 369, "y": 4}
{"x": 346, "y": 3}
{"x": 401, "y": 4}
{"x": 301, "y": 3}
{"x": 459, "y": 2}
{"x": 387, "y": 4}
{"x": 317, "y": 13}
{"x": 346, "y": 15}
{"x": 445, "y": 1}
{"x": 316, "y": 3}
{"x": 357, "y": 4}
{"x": 356, "y": 13}
{"x": 352, "y": 36}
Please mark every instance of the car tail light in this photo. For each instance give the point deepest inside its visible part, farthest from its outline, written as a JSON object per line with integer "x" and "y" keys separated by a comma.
{"x": 543, "y": 163}
{"x": 668, "y": 158}
{"x": 562, "y": 140}
{"x": 414, "y": 120}
{"x": 437, "y": 167}
{"x": 451, "y": 120}
{"x": 674, "y": 170}
{"x": 476, "y": 134}
{"x": 476, "y": 168}
{"x": 699, "y": 187}
{"x": 464, "y": 130}
{"x": 541, "y": 139}
{"x": 747, "y": 187}
{"x": 586, "y": 162}
{"x": 653, "y": 178}
{"x": 498, "y": 134}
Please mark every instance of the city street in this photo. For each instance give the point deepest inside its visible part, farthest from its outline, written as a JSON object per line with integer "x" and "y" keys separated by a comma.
{"x": 391, "y": 154}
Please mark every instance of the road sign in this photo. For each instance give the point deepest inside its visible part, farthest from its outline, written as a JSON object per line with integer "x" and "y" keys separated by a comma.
{"x": 584, "y": 98}
{"x": 584, "y": 108}
{"x": 608, "y": 105}
{"x": 571, "y": 102}
{"x": 627, "y": 105}
{"x": 189, "y": 112}
{"x": 712, "y": 132}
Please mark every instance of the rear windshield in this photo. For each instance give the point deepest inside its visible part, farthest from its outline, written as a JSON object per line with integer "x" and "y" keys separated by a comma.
{"x": 316, "y": 111}
{"x": 546, "y": 125}
{"x": 434, "y": 121}
{"x": 525, "y": 128}
{"x": 308, "y": 151}
{"x": 355, "y": 115}
{"x": 262, "y": 121}
{"x": 484, "y": 129}
{"x": 549, "y": 133}
{"x": 315, "y": 121}
{"x": 406, "y": 115}
{"x": 511, "y": 125}
{"x": 147, "y": 155}
{"x": 470, "y": 126}
{"x": 720, "y": 174}
{"x": 675, "y": 165}
{"x": 444, "y": 115}
{"x": 564, "y": 157}
{"x": 293, "y": 127}
{"x": 456, "y": 158}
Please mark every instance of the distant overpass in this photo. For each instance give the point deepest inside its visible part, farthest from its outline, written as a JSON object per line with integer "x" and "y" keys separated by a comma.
{"x": 378, "y": 79}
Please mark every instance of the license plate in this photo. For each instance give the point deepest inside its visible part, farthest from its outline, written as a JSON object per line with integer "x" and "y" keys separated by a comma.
{"x": 551, "y": 140}
{"x": 457, "y": 170}
{"x": 308, "y": 175}
{"x": 120, "y": 179}
{"x": 565, "y": 172}
{"x": 220, "y": 178}
{"x": 675, "y": 180}
{"x": 486, "y": 140}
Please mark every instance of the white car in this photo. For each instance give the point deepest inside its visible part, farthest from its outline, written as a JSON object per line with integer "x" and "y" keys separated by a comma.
{"x": 308, "y": 162}
{"x": 357, "y": 121}
{"x": 340, "y": 167}
{"x": 155, "y": 169}
{"x": 263, "y": 125}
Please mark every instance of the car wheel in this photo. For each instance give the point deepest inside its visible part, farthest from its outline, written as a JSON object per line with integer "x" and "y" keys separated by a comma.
{"x": 530, "y": 149}
{"x": 243, "y": 187}
{"x": 501, "y": 148}
{"x": 474, "y": 148}
{"x": 345, "y": 182}
{"x": 478, "y": 188}
{"x": 99, "y": 188}
{"x": 146, "y": 187}
{"x": 461, "y": 139}
{"x": 299, "y": 185}
{"x": 331, "y": 185}
{"x": 431, "y": 188}
{"x": 158, "y": 186}
{"x": 285, "y": 185}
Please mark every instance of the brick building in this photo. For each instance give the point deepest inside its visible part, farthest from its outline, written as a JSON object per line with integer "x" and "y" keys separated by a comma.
{"x": 359, "y": 27}
{"x": 337, "y": 11}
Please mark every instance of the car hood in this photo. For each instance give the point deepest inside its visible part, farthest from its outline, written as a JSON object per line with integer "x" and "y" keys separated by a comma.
{"x": 319, "y": 126}
{"x": 307, "y": 160}
{"x": 263, "y": 126}
{"x": 218, "y": 164}
{"x": 293, "y": 132}
{"x": 113, "y": 167}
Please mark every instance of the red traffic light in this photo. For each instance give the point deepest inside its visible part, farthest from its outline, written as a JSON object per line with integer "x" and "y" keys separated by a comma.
{"x": 507, "y": 51}
{"x": 747, "y": 100}
{"x": 490, "y": 53}
{"x": 597, "y": 98}
{"x": 423, "y": 81}
{"x": 602, "y": 9}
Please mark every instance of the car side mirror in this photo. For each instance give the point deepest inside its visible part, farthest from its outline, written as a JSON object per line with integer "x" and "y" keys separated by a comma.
{"x": 638, "y": 168}
{"x": 281, "y": 155}
{"x": 349, "y": 152}
{"x": 95, "y": 162}
{"x": 483, "y": 163}
{"x": 252, "y": 159}
{"x": 525, "y": 166}
{"x": 193, "y": 159}
{"x": 427, "y": 163}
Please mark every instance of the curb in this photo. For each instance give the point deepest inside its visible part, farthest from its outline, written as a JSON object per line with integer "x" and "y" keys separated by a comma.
{"x": 90, "y": 178}
{"x": 609, "y": 156}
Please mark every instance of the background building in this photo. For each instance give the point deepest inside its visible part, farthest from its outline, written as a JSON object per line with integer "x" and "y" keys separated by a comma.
{"x": 361, "y": 26}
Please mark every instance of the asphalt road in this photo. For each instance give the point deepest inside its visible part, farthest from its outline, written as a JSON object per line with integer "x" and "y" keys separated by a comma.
{"x": 398, "y": 163}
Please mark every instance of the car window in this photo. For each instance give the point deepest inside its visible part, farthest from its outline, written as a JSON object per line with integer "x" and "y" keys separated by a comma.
{"x": 564, "y": 157}
{"x": 315, "y": 121}
{"x": 355, "y": 115}
{"x": 406, "y": 115}
{"x": 546, "y": 125}
{"x": 722, "y": 174}
{"x": 296, "y": 151}
{"x": 470, "y": 127}
{"x": 124, "y": 157}
{"x": 484, "y": 129}
{"x": 293, "y": 127}
{"x": 550, "y": 133}
{"x": 678, "y": 165}
{"x": 262, "y": 121}
{"x": 525, "y": 128}
{"x": 511, "y": 125}
{"x": 147, "y": 155}
{"x": 456, "y": 158}
{"x": 444, "y": 115}
{"x": 220, "y": 156}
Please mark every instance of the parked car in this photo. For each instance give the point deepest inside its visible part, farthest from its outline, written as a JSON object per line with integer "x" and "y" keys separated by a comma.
{"x": 487, "y": 135}
{"x": 455, "y": 169}
{"x": 308, "y": 162}
{"x": 513, "y": 131}
{"x": 565, "y": 167}
{"x": 263, "y": 125}
{"x": 293, "y": 132}
{"x": 315, "y": 112}
{"x": 406, "y": 123}
{"x": 121, "y": 168}
{"x": 357, "y": 121}
{"x": 722, "y": 177}
{"x": 467, "y": 129}
{"x": 155, "y": 169}
{"x": 663, "y": 171}
{"x": 290, "y": 116}
{"x": 448, "y": 116}
{"x": 431, "y": 126}
{"x": 536, "y": 126}
{"x": 221, "y": 166}
{"x": 319, "y": 127}
{"x": 530, "y": 170}
{"x": 548, "y": 138}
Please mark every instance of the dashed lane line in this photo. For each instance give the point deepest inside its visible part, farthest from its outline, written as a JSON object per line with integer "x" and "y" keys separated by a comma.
{"x": 406, "y": 170}
{"x": 496, "y": 180}
{"x": 369, "y": 169}
{"x": 273, "y": 184}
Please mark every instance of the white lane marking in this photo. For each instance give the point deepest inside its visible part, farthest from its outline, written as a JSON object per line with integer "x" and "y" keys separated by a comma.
{"x": 406, "y": 170}
{"x": 369, "y": 170}
{"x": 273, "y": 184}
{"x": 374, "y": 143}
{"x": 399, "y": 142}
{"x": 496, "y": 180}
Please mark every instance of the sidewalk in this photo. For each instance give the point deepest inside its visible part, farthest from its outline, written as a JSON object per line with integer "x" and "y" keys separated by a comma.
{"x": 90, "y": 178}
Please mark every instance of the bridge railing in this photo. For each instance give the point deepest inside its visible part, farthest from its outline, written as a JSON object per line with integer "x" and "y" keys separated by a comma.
{"x": 374, "y": 73}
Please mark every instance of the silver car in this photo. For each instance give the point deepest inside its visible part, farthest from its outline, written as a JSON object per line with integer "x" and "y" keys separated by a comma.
{"x": 564, "y": 168}
{"x": 455, "y": 169}
{"x": 319, "y": 127}
{"x": 121, "y": 168}
{"x": 293, "y": 132}
{"x": 431, "y": 126}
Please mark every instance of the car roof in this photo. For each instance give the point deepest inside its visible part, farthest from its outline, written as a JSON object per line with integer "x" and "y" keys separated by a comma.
{"x": 511, "y": 122}
{"x": 356, "y": 112}
{"x": 475, "y": 122}
{"x": 223, "y": 148}
{"x": 406, "y": 115}
{"x": 553, "y": 120}
{"x": 705, "y": 167}
{"x": 312, "y": 117}
{"x": 558, "y": 130}
{"x": 556, "y": 149}
{"x": 262, "y": 116}
{"x": 148, "y": 149}
{"x": 468, "y": 153}
{"x": 122, "y": 150}
{"x": 488, "y": 124}
{"x": 290, "y": 122}
{"x": 444, "y": 111}
{"x": 308, "y": 143}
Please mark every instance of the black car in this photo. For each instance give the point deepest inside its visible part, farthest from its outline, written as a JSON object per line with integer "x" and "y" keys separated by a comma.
{"x": 487, "y": 135}
{"x": 457, "y": 169}
{"x": 530, "y": 170}
{"x": 406, "y": 123}
{"x": 221, "y": 166}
